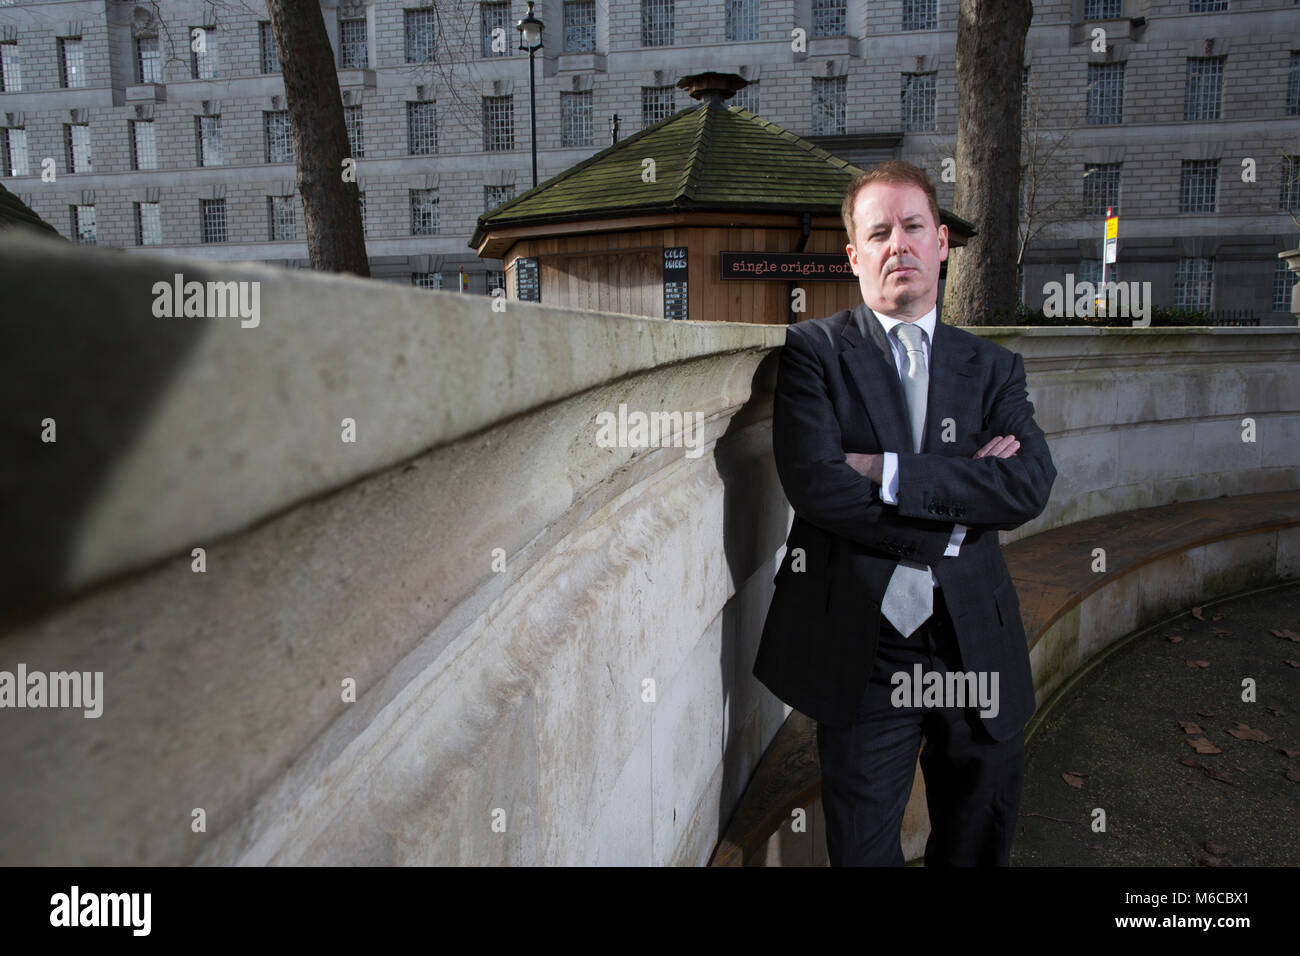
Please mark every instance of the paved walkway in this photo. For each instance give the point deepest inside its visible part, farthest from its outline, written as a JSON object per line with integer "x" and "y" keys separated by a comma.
{"x": 1166, "y": 804}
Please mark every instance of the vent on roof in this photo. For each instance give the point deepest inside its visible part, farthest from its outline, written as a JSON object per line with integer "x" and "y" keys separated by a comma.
{"x": 712, "y": 89}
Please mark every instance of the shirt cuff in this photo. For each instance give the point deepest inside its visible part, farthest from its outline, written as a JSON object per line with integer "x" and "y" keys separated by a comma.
{"x": 889, "y": 479}
{"x": 954, "y": 541}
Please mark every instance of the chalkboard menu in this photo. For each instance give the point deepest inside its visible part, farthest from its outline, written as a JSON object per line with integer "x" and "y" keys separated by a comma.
{"x": 675, "y": 283}
{"x": 528, "y": 285}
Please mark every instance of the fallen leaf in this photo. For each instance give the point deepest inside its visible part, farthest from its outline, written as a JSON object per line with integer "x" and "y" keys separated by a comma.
{"x": 1217, "y": 617}
{"x": 1074, "y": 779}
{"x": 1216, "y": 775}
{"x": 1291, "y": 663}
{"x": 1293, "y": 776}
{"x": 1195, "y": 664}
{"x": 1275, "y": 710}
{"x": 1206, "y": 861}
{"x": 1205, "y": 713}
{"x": 1214, "y": 849}
{"x": 1190, "y": 728}
{"x": 1242, "y": 770}
{"x": 1196, "y": 613}
{"x": 1190, "y": 762}
{"x": 1175, "y": 638}
{"x": 1291, "y": 752}
{"x": 1202, "y": 745}
{"x": 1221, "y": 632}
{"x": 1285, "y": 634}
{"x": 1246, "y": 732}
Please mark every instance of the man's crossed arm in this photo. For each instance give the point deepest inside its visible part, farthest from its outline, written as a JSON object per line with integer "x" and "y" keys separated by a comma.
{"x": 838, "y": 491}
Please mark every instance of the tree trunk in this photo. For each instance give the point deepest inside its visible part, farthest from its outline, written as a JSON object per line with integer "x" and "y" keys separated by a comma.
{"x": 331, "y": 207}
{"x": 981, "y": 284}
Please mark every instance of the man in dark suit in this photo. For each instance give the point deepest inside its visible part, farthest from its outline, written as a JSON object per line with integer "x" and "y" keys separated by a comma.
{"x": 904, "y": 445}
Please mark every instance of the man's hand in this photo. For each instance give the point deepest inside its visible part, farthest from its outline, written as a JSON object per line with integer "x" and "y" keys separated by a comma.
{"x": 999, "y": 447}
{"x": 872, "y": 467}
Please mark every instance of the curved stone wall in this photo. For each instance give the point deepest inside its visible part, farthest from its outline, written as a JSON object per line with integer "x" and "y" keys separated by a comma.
{"x": 550, "y": 639}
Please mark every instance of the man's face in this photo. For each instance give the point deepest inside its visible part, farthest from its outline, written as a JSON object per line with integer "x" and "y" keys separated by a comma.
{"x": 897, "y": 250}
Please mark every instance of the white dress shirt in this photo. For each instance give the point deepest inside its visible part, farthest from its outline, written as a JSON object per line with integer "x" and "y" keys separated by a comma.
{"x": 889, "y": 476}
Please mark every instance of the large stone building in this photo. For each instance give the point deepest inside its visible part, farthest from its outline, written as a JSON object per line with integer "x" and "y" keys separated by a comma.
{"x": 1182, "y": 115}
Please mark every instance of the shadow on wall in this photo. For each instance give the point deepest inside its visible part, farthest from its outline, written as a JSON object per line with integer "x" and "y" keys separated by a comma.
{"x": 94, "y": 361}
{"x": 748, "y": 522}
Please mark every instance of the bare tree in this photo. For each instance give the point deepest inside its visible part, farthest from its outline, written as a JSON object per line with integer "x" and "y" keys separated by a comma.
{"x": 1047, "y": 193}
{"x": 981, "y": 287}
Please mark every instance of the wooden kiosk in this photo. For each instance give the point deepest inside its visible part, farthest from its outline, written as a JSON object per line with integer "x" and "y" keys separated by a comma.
{"x": 712, "y": 213}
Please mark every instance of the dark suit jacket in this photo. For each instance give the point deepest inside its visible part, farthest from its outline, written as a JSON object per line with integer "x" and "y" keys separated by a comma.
{"x": 838, "y": 391}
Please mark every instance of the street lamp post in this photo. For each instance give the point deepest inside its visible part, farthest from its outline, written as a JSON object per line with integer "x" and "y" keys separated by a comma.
{"x": 530, "y": 39}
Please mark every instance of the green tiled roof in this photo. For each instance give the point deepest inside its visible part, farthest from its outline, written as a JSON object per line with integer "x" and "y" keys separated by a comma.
{"x": 13, "y": 212}
{"x": 706, "y": 158}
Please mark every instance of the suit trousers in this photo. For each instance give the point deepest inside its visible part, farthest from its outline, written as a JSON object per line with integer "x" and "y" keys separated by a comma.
{"x": 972, "y": 782}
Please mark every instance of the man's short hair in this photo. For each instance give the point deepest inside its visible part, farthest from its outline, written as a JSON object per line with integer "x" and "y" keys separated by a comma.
{"x": 891, "y": 171}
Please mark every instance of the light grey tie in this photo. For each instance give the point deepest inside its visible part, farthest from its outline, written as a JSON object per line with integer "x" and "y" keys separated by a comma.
{"x": 909, "y": 599}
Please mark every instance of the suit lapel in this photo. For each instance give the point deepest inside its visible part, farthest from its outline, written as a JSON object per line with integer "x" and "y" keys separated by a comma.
{"x": 951, "y": 366}
{"x": 866, "y": 355}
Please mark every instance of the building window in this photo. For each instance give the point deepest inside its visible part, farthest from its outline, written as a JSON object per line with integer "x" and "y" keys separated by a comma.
{"x": 361, "y": 201}
{"x": 72, "y": 63}
{"x": 575, "y": 119}
{"x": 657, "y": 103}
{"x": 354, "y": 53}
{"x": 498, "y": 123}
{"x": 830, "y": 18}
{"x": 83, "y": 225}
{"x": 356, "y": 131}
{"x": 1293, "y": 87}
{"x": 213, "y": 220}
{"x": 1102, "y": 9}
{"x": 148, "y": 60}
{"x": 494, "y": 196}
{"x": 148, "y": 224}
{"x": 11, "y": 73}
{"x": 270, "y": 55}
{"x": 279, "y": 137}
{"x": 144, "y": 145}
{"x": 421, "y": 128}
{"x": 207, "y": 140}
{"x": 1101, "y": 188}
{"x": 1204, "y": 97}
{"x": 1198, "y": 190}
{"x": 1283, "y": 281}
{"x": 1207, "y": 6}
{"x": 580, "y": 26}
{"x": 15, "y": 147}
{"x": 203, "y": 61}
{"x": 742, "y": 20}
{"x": 1105, "y": 94}
{"x": 282, "y": 218}
{"x": 1289, "y": 199}
{"x": 426, "y": 280}
{"x": 918, "y": 95}
{"x": 1194, "y": 284}
{"x": 494, "y": 21}
{"x": 419, "y": 35}
{"x": 496, "y": 279}
{"x": 424, "y": 212}
{"x": 76, "y": 140}
{"x": 830, "y": 105}
{"x": 746, "y": 99}
{"x": 656, "y": 22}
{"x": 920, "y": 14}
